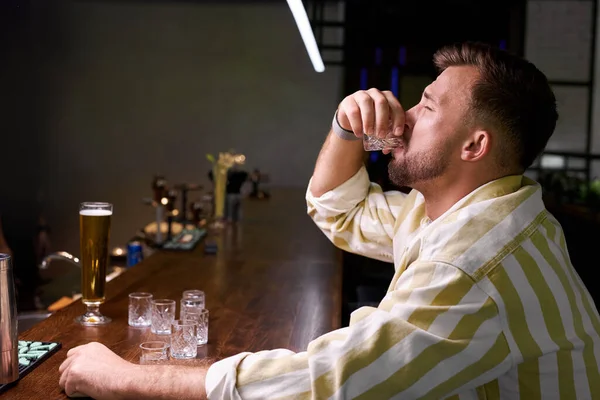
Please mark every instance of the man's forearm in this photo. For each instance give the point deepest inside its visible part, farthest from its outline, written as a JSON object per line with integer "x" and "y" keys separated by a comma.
{"x": 165, "y": 383}
{"x": 338, "y": 161}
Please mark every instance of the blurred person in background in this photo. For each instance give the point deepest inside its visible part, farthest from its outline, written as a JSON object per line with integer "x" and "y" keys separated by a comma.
{"x": 28, "y": 242}
{"x": 236, "y": 178}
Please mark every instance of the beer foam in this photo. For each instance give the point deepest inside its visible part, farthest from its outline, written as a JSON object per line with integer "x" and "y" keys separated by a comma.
{"x": 95, "y": 213}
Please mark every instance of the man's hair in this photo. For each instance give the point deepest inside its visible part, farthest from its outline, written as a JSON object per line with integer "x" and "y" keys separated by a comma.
{"x": 511, "y": 98}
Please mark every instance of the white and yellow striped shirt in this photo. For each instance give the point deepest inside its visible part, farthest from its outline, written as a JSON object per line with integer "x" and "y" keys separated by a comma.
{"x": 484, "y": 304}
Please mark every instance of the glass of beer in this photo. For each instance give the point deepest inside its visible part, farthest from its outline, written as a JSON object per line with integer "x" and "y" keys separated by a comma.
{"x": 94, "y": 232}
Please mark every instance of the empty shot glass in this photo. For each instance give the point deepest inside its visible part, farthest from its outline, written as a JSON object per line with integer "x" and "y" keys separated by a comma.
{"x": 192, "y": 293}
{"x": 163, "y": 315}
{"x": 153, "y": 352}
{"x": 195, "y": 297}
{"x": 183, "y": 339}
{"x": 200, "y": 317}
{"x": 140, "y": 309}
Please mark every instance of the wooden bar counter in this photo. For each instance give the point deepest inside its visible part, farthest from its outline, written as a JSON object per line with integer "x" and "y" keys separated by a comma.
{"x": 275, "y": 283}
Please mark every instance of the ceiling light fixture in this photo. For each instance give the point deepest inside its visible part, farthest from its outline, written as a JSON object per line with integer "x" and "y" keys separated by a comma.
{"x": 306, "y": 32}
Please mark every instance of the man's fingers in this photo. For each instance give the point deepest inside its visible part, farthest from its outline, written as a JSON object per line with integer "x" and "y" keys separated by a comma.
{"x": 352, "y": 112}
{"x": 65, "y": 364}
{"x": 75, "y": 350}
{"x": 397, "y": 114}
{"x": 382, "y": 113}
{"x": 372, "y": 112}
{"x": 64, "y": 375}
{"x": 367, "y": 111}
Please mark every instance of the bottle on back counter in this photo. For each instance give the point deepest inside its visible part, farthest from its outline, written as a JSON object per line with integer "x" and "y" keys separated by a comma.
{"x": 134, "y": 253}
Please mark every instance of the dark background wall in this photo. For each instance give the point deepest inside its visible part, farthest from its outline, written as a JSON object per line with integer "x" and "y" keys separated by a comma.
{"x": 98, "y": 96}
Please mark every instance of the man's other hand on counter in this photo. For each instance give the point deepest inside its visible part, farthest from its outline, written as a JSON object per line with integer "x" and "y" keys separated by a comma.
{"x": 94, "y": 370}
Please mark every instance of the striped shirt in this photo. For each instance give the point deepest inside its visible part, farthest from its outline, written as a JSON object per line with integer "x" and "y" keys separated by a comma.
{"x": 484, "y": 304}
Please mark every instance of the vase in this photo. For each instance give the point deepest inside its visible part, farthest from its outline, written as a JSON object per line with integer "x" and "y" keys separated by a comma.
{"x": 219, "y": 193}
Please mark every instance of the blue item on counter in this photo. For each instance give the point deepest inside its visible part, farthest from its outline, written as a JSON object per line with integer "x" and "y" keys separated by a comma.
{"x": 135, "y": 253}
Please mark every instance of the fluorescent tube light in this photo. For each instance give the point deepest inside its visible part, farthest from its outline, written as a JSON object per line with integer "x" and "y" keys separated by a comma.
{"x": 306, "y": 32}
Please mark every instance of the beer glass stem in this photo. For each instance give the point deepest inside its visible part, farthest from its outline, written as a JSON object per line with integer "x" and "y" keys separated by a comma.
{"x": 92, "y": 316}
{"x": 93, "y": 310}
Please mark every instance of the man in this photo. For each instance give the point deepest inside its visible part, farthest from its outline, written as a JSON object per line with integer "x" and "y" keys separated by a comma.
{"x": 484, "y": 303}
{"x": 236, "y": 178}
{"x": 233, "y": 201}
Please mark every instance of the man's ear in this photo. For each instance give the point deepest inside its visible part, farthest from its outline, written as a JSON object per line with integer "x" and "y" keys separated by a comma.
{"x": 477, "y": 146}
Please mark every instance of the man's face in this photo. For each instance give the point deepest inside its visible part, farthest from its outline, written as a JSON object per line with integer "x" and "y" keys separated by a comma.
{"x": 436, "y": 129}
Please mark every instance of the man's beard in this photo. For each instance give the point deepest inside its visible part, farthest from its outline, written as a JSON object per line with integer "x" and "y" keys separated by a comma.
{"x": 411, "y": 168}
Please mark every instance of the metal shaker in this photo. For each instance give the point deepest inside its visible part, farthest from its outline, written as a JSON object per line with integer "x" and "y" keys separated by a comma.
{"x": 9, "y": 342}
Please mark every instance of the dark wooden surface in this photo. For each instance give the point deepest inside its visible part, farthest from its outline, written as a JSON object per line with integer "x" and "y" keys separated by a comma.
{"x": 276, "y": 283}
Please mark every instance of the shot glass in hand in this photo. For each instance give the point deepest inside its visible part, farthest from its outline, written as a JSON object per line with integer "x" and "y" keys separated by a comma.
{"x": 374, "y": 143}
{"x": 183, "y": 339}
{"x": 140, "y": 309}
{"x": 163, "y": 315}
{"x": 153, "y": 352}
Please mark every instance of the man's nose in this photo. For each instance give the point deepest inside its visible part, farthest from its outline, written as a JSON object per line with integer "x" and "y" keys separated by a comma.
{"x": 411, "y": 118}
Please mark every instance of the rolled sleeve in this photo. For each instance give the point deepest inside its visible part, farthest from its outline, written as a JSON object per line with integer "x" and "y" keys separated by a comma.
{"x": 221, "y": 378}
{"x": 358, "y": 216}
